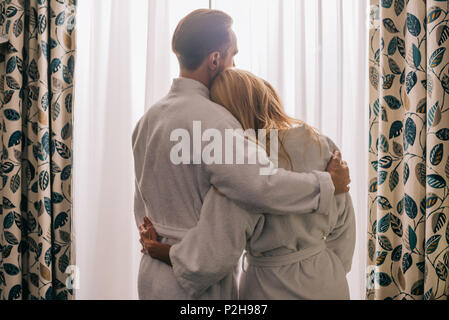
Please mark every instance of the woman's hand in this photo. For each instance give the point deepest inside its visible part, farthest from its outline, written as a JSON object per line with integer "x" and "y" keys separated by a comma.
{"x": 150, "y": 243}
{"x": 147, "y": 235}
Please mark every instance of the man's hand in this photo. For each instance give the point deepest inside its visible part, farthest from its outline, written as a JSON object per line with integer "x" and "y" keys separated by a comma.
{"x": 339, "y": 172}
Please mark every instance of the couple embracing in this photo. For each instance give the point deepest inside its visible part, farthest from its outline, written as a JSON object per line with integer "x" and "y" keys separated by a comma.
{"x": 295, "y": 223}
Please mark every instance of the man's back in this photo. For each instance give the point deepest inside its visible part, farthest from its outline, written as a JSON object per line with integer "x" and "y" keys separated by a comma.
{"x": 173, "y": 194}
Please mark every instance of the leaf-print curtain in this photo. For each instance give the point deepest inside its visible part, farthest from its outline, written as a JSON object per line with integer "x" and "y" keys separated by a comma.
{"x": 36, "y": 86}
{"x": 408, "y": 232}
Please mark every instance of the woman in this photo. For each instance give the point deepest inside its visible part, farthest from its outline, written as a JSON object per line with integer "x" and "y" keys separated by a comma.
{"x": 287, "y": 257}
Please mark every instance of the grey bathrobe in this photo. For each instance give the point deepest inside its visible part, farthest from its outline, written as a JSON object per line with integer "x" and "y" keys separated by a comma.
{"x": 172, "y": 195}
{"x": 287, "y": 257}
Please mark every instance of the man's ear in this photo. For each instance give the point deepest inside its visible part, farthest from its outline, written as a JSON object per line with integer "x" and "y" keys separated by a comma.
{"x": 214, "y": 61}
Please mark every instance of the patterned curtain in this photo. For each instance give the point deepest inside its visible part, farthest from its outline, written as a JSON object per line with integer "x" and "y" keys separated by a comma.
{"x": 37, "y": 70}
{"x": 408, "y": 232}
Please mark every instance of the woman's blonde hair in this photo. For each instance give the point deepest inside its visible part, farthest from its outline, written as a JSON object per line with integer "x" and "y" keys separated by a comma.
{"x": 255, "y": 104}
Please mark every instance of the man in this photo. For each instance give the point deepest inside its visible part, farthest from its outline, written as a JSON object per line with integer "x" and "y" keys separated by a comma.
{"x": 172, "y": 194}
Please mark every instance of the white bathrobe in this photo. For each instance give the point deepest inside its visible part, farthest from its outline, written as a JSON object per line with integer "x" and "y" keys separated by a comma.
{"x": 172, "y": 195}
{"x": 288, "y": 257}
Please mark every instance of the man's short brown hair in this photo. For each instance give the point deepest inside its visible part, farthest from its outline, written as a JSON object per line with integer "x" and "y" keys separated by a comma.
{"x": 199, "y": 34}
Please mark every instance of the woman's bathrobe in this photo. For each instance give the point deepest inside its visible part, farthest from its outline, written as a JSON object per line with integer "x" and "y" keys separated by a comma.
{"x": 172, "y": 194}
{"x": 287, "y": 257}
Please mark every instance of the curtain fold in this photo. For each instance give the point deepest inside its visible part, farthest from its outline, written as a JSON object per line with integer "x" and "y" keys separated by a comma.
{"x": 109, "y": 99}
{"x": 36, "y": 157}
{"x": 408, "y": 231}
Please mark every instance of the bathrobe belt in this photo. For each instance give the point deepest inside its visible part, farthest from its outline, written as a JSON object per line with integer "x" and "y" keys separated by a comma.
{"x": 282, "y": 260}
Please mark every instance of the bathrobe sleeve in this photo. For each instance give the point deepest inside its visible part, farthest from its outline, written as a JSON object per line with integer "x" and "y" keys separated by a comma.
{"x": 342, "y": 238}
{"x": 211, "y": 250}
{"x": 267, "y": 189}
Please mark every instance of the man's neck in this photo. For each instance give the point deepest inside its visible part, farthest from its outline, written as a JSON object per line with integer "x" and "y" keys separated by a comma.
{"x": 197, "y": 75}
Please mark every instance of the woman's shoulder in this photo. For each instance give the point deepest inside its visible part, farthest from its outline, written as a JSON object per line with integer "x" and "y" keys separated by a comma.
{"x": 311, "y": 142}
{"x": 331, "y": 145}
{"x": 303, "y": 132}
{"x": 328, "y": 146}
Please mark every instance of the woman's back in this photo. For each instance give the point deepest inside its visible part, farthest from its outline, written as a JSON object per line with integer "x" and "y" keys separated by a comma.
{"x": 294, "y": 257}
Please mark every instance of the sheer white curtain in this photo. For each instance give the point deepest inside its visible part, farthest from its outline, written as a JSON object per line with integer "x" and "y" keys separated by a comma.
{"x": 313, "y": 52}
{"x": 109, "y": 98}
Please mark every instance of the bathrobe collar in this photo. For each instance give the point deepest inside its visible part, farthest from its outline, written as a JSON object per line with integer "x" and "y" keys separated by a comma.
{"x": 189, "y": 86}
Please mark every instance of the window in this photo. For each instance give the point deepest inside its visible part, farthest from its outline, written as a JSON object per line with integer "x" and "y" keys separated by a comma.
{"x": 313, "y": 52}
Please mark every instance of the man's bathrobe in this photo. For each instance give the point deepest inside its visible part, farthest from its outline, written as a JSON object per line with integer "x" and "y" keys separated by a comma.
{"x": 172, "y": 195}
{"x": 287, "y": 257}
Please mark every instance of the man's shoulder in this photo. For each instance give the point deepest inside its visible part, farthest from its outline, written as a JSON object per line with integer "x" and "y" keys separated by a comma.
{"x": 152, "y": 113}
{"x": 185, "y": 109}
{"x": 210, "y": 109}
